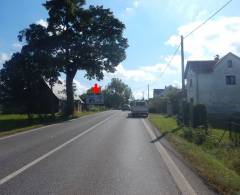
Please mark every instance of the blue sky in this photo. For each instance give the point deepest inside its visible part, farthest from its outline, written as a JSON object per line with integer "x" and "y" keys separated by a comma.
{"x": 153, "y": 28}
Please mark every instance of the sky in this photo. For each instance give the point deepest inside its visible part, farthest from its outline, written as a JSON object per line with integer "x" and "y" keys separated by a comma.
{"x": 153, "y": 29}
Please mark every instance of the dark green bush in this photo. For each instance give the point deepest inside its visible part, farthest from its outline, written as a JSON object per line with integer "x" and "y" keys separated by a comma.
{"x": 188, "y": 134}
{"x": 184, "y": 113}
{"x": 196, "y": 136}
{"x": 186, "y": 110}
{"x": 199, "y": 136}
{"x": 199, "y": 116}
{"x": 158, "y": 105}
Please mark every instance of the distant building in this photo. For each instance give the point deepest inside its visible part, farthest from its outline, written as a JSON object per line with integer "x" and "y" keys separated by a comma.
{"x": 215, "y": 83}
{"x": 157, "y": 93}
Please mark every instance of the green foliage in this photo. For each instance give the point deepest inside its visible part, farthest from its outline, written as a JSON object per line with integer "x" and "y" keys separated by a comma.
{"x": 185, "y": 113}
{"x": 172, "y": 96}
{"x": 217, "y": 163}
{"x": 188, "y": 134}
{"x": 199, "y": 136}
{"x": 21, "y": 81}
{"x": 116, "y": 94}
{"x": 199, "y": 116}
{"x": 15, "y": 123}
{"x": 78, "y": 38}
{"x": 196, "y": 136}
{"x": 158, "y": 105}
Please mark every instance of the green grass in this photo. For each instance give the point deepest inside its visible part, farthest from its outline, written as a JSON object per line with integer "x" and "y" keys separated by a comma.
{"x": 15, "y": 123}
{"x": 219, "y": 164}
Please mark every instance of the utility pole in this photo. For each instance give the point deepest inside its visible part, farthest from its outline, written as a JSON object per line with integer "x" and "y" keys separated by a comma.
{"x": 148, "y": 92}
{"x": 182, "y": 60}
{"x": 183, "y": 83}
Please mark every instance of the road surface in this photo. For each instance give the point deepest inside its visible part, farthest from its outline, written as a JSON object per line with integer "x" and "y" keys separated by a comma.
{"x": 105, "y": 153}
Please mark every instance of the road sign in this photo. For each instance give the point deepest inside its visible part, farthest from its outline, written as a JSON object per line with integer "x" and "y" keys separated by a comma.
{"x": 93, "y": 99}
{"x": 96, "y": 89}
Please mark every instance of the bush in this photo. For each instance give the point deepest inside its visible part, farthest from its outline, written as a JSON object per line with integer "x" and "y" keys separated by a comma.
{"x": 158, "y": 105}
{"x": 185, "y": 108}
{"x": 199, "y": 116}
{"x": 196, "y": 136}
{"x": 188, "y": 134}
{"x": 199, "y": 136}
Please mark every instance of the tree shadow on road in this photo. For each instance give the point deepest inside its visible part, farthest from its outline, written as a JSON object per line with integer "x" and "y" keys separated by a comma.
{"x": 165, "y": 133}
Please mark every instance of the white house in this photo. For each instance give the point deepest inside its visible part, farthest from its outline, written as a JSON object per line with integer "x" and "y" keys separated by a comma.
{"x": 215, "y": 83}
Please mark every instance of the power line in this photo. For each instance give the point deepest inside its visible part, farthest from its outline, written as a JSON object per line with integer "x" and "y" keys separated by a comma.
{"x": 168, "y": 64}
{"x": 209, "y": 18}
{"x": 170, "y": 61}
{"x": 195, "y": 29}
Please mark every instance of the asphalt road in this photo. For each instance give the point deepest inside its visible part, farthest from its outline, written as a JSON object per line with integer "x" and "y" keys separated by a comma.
{"x": 105, "y": 153}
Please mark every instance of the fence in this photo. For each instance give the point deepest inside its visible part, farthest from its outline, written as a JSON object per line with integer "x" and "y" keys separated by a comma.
{"x": 234, "y": 132}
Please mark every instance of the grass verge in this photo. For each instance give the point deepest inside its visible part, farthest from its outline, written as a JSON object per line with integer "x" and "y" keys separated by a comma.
{"x": 16, "y": 123}
{"x": 218, "y": 164}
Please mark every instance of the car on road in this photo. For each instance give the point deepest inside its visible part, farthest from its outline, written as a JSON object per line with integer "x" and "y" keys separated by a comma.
{"x": 139, "y": 108}
{"x": 125, "y": 107}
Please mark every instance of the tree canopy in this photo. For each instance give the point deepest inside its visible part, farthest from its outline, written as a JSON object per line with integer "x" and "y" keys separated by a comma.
{"x": 78, "y": 38}
{"x": 117, "y": 93}
{"x": 21, "y": 81}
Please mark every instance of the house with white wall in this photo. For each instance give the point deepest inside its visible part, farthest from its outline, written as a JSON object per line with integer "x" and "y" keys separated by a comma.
{"x": 215, "y": 83}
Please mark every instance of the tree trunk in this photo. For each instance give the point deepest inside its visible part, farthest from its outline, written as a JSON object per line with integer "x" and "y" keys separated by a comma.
{"x": 70, "y": 74}
{"x": 52, "y": 102}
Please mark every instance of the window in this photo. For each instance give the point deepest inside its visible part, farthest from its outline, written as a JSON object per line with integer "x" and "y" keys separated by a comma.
{"x": 229, "y": 63}
{"x": 231, "y": 80}
{"x": 190, "y": 82}
{"x": 140, "y": 103}
{"x": 191, "y": 100}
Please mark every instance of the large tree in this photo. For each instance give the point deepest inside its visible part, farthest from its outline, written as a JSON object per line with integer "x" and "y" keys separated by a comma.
{"x": 21, "y": 81}
{"x": 24, "y": 74}
{"x": 117, "y": 93}
{"x": 81, "y": 38}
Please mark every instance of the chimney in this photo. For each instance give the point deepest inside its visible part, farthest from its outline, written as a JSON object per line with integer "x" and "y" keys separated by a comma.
{"x": 216, "y": 58}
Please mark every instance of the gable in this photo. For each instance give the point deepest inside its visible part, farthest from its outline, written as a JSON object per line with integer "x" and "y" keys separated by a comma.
{"x": 223, "y": 62}
{"x": 208, "y": 66}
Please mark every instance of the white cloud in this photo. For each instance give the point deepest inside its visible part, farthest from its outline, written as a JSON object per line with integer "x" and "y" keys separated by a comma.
{"x": 17, "y": 46}
{"x": 136, "y": 75}
{"x": 138, "y": 94}
{"x": 129, "y": 11}
{"x": 189, "y": 10}
{"x": 132, "y": 8}
{"x": 136, "y": 3}
{"x": 149, "y": 73}
{"x": 81, "y": 88}
{"x": 42, "y": 22}
{"x": 177, "y": 84}
{"x": 4, "y": 57}
{"x": 215, "y": 37}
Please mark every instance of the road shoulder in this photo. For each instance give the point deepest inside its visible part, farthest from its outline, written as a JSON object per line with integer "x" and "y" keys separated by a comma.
{"x": 188, "y": 171}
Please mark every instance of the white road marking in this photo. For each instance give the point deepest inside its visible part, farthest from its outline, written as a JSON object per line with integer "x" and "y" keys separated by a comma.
{"x": 24, "y": 168}
{"x": 177, "y": 175}
{"x": 36, "y": 129}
